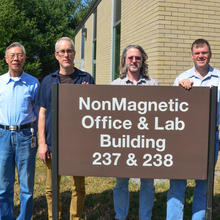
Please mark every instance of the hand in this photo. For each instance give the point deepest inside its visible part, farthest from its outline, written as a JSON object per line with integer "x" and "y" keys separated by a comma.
{"x": 186, "y": 83}
{"x": 85, "y": 83}
{"x": 43, "y": 152}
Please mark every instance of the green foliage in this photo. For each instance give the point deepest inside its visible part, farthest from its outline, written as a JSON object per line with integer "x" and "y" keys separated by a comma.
{"x": 37, "y": 24}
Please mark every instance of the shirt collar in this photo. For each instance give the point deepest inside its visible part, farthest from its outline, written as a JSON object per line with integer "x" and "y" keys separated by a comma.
{"x": 7, "y": 78}
{"x": 128, "y": 81}
{"x": 76, "y": 72}
{"x": 211, "y": 72}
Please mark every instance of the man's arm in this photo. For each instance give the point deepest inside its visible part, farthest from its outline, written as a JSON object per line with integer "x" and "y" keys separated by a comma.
{"x": 42, "y": 148}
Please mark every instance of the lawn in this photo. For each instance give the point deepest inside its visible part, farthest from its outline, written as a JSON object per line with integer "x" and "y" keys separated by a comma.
{"x": 99, "y": 204}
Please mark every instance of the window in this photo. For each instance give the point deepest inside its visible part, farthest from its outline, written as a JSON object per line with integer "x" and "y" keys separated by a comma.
{"x": 116, "y": 38}
{"x": 94, "y": 44}
{"x": 82, "y": 47}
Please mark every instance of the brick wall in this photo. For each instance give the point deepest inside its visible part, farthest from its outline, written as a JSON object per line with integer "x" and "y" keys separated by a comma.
{"x": 140, "y": 22}
{"x": 104, "y": 42}
{"x": 77, "y": 42}
{"x": 181, "y": 23}
{"x": 88, "y": 45}
{"x": 166, "y": 30}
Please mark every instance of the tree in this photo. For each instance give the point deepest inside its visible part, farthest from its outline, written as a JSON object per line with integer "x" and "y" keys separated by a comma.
{"x": 37, "y": 24}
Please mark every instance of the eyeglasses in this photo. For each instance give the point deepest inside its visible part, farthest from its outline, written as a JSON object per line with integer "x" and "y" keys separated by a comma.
{"x": 134, "y": 57}
{"x": 62, "y": 52}
{"x": 18, "y": 55}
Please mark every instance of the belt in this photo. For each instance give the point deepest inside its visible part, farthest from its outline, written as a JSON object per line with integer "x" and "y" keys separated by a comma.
{"x": 16, "y": 127}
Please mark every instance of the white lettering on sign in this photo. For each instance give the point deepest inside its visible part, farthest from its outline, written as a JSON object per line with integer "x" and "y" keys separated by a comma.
{"x": 149, "y": 160}
{"x": 126, "y": 141}
{"x": 142, "y": 107}
{"x": 170, "y": 125}
{"x": 105, "y": 122}
{"x": 156, "y": 154}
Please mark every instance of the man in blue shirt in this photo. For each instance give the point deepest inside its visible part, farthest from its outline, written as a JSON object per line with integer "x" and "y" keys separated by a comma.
{"x": 17, "y": 134}
{"x": 202, "y": 74}
{"x": 67, "y": 73}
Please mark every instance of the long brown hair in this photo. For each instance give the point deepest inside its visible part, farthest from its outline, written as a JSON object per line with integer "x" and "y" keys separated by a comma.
{"x": 144, "y": 67}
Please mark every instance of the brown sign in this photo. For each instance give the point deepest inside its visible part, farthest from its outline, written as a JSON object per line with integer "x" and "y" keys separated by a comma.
{"x": 133, "y": 131}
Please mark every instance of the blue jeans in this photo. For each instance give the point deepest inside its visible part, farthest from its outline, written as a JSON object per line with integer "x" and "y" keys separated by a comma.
{"x": 16, "y": 150}
{"x": 121, "y": 198}
{"x": 176, "y": 196}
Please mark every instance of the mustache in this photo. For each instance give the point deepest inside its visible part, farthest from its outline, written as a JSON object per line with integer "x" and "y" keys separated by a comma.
{"x": 133, "y": 64}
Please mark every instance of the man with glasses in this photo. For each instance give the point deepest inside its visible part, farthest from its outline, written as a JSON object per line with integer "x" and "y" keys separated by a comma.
{"x": 18, "y": 115}
{"x": 67, "y": 73}
{"x": 134, "y": 71}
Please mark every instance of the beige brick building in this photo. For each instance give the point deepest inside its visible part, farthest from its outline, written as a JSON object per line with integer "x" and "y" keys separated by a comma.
{"x": 164, "y": 28}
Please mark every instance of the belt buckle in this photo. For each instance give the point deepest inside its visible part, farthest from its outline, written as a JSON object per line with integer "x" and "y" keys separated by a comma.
{"x": 13, "y": 127}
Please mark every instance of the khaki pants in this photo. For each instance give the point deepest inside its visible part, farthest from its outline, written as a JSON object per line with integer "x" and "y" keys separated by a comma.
{"x": 78, "y": 195}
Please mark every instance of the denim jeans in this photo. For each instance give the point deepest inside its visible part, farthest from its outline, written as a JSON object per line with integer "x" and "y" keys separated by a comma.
{"x": 121, "y": 198}
{"x": 176, "y": 196}
{"x": 16, "y": 150}
{"x": 77, "y": 199}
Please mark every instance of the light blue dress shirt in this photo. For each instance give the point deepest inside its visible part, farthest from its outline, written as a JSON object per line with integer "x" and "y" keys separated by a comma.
{"x": 17, "y": 99}
{"x": 212, "y": 78}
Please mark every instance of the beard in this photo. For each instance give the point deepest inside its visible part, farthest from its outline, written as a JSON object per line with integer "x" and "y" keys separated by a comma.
{"x": 134, "y": 68}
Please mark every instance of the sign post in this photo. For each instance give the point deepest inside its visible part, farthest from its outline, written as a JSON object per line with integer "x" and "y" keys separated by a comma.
{"x": 55, "y": 151}
{"x": 136, "y": 131}
{"x": 211, "y": 161}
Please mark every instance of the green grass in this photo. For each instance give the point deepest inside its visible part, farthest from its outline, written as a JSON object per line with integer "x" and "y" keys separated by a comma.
{"x": 99, "y": 203}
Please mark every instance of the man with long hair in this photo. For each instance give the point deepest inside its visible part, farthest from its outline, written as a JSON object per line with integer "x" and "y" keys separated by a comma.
{"x": 134, "y": 71}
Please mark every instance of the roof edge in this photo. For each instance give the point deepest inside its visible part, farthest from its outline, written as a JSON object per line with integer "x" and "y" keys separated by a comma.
{"x": 90, "y": 11}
